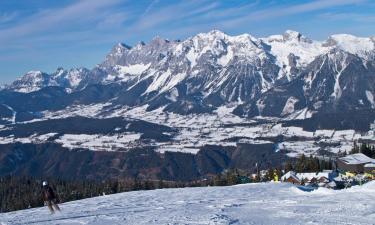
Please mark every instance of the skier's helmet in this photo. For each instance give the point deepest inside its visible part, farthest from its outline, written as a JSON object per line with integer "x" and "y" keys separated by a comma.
{"x": 45, "y": 183}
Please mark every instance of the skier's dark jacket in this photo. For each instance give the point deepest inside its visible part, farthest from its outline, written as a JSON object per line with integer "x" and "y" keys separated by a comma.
{"x": 48, "y": 193}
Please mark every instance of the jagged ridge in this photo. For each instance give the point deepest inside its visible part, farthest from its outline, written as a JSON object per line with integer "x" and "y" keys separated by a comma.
{"x": 212, "y": 69}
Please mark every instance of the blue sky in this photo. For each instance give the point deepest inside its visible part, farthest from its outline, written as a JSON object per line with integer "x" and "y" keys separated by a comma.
{"x": 45, "y": 34}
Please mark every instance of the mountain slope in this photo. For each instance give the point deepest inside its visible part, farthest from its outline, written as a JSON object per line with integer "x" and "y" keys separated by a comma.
{"x": 213, "y": 69}
{"x": 263, "y": 203}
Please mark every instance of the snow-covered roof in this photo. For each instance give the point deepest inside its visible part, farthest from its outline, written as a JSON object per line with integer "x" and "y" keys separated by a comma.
{"x": 357, "y": 158}
{"x": 370, "y": 165}
{"x": 332, "y": 184}
{"x": 289, "y": 174}
{"x": 310, "y": 176}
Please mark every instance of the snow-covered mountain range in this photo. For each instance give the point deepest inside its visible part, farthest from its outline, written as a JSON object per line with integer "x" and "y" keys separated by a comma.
{"x": 286, "y": 93}
{"x": 213, "y": 69}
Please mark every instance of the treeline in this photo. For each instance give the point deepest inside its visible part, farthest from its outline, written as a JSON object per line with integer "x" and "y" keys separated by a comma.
{"x": 366, "y": 149}
{"x": 308, "y": 164}
{"x": 18, "y": 193}
{"x": 231, "y": 177}
{"x": 235, "y": 176}
{"x": 302, "y": 164}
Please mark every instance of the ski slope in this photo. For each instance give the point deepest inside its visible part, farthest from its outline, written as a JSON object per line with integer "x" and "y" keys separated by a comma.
{"x": 266, "y": 203}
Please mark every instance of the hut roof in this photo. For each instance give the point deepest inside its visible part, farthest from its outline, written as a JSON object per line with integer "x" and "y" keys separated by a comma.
{"x": 310, "y": 176}
{"x": 356, "y": 159}
{"x": 369, "y": 165}
{"x": 290, "y": 174}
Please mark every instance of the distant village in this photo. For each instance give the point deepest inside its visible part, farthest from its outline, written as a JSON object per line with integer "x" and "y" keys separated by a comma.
{"x": 353, "y": 169}
{"x": 310, "y": 173}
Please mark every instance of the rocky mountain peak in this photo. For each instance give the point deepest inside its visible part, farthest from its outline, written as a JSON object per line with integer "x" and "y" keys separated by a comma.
{"x": 213, "y": 66}
{"x": 159, "y": 40}
{"x": 291, "y": 35}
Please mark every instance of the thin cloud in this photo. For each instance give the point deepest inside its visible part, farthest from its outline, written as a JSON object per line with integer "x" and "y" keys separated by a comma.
{"x": 113, "y": 21}
{"x": 197, "y": 15}
{"x": 7, "y": 17}
{"x": 149, "y": 7}
{"x": 55, "y": 19}
{"x": 88, "y": 25}
{"x": 172, "y": 13}
{"x": 365, "y": 18}
{"x": 290, "y": 10}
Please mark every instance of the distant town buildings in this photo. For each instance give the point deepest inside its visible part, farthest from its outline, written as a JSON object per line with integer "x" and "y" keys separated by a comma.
{"x": 351, "y": 170}
{"x": 318, "y": 179}
{"x": 355, "y": 163}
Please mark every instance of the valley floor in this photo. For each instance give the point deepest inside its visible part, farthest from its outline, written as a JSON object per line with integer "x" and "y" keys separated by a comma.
{"x": 265, "y": 203}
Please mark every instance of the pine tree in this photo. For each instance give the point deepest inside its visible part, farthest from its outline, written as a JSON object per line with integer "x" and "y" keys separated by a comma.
{"x": 288, "y": 166}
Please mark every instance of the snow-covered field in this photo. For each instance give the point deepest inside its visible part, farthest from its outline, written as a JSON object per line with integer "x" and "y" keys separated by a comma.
{"x": 265, "y": 203}
{"x": 221, "y": 127}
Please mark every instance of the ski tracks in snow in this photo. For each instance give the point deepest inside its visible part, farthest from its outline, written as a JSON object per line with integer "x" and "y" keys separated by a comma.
{"x": 265, "y": 203}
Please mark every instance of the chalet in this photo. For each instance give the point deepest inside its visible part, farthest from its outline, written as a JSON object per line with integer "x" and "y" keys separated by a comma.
{"x": 320, "y": 178}
{"x": 354, "y": 163}
{"x": 315, "y": 178}
{"x": 291, "y": 177}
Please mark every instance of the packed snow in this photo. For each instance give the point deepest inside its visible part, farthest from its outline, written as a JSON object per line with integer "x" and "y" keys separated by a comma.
{"x": 263, "y": 203}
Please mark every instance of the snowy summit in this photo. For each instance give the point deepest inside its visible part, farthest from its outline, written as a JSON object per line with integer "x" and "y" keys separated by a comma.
{"x": 168, "y": 63}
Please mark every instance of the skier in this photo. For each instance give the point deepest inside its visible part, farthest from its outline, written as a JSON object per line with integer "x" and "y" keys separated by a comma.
{"x": 49, "y": 197}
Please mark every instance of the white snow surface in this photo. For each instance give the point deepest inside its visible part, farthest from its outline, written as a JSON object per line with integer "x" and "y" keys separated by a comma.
{"x": 35, "y": 138}
{"x": 353, "y": 44}
{"x": 370, "y": 98}
{"x": 99, "y": 142}
{"x": 289, "y": 43}
{"x": 263, "y": 203}
{"x": 135, "y": 69}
